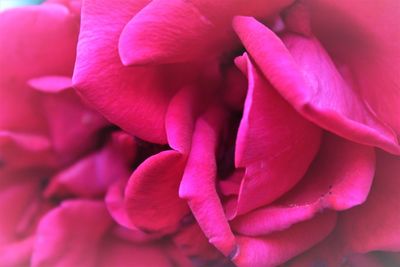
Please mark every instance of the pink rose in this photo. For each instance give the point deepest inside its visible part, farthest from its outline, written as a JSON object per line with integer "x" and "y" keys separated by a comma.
{"x": 240, "y": 133}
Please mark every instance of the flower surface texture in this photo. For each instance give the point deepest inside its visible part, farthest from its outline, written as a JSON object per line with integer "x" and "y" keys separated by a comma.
{"x": 191, "y": 133}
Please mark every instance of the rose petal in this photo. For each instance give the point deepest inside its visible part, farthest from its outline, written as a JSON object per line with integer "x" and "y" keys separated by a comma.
{"x": 133, "y": 98}
{"x": 64, "y": 238}
{"x": 270, "y": 135}
{"x": 192, "y": 241}
{"x": 116, "y": 207}
{"x": 119, "y": 253}
{"x": 275, "y": 249}
{"x": 73, "y": 127}
{"x": 90, "y": 176}
{"x": 151, "y": 195}
{"x": 339, "y": 178}
{"x": 177, "y": 31}
{"x": 375, "y": 225}
{"x": 35, "y": 41}
{"x": 180, "y": 121}
{"x": 51, "y": 84}
{"x": 198, "y": 182}
{"x": 301, "y": 70}
{"x": 365, "y": 35}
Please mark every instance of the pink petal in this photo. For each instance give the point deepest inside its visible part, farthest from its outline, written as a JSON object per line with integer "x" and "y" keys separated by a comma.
{"x": 35, "y": 41}
{"x": 231, "y": 186}
{"x": 268, "y": 117}
{"x": 64, "y": 238}
{"x": 276, "y": 248}
{"x": 24, "y": 150}
{"x": 51, "y": 84}
{"x": 14, "y": 202}
{"x": 151, "y": 195}
{"x": 180, "y": 121}
{"x": 176, "y": 31}
{"x": 198, "y": 182}
{"x": 192, "y": 241}
{"x": 116, "y": 207}
{"x": 74, "y": 128}
{"x": 135, "y": 99}
{"x": 92, "y": 175}
{"x": 375, "y": 225}
{"x": 301, "y": 70}
{"x": 17, "y": 253}
{"x": 119, "y": 253}
{"x": 365, "y": 35}
{"x": 339, "y": 178}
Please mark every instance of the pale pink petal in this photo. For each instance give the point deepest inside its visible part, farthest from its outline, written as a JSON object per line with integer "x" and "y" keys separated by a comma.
{"x": 375, "y": 225}
{"x": 69, "y": 235}
{"x": 176, "y": 31}
{"x": 270, "y": 135}
{"x": 276, "y": 248}
{"x": 151, "y": 195}
{"x": 339, "y": 178}
{"x": 198, "y": 182}
{"x": 303, "y": 73}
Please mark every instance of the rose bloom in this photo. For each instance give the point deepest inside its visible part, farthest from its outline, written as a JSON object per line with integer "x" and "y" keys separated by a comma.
{"x": 200, "y": 133}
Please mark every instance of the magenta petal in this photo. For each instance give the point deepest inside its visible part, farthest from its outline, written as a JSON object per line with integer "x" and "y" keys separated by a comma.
{"x": 119, "y": 253}
{"x": 63, "y": 237}
{"x": 365, "y": 34}
{"x": 73, "y": 127}
{"x": 302, "y": 72}
{"x": 90, "y": 176}
{"x": 375, "y": 225}
{"x": 133, "y": 98}
{"x": 17, "y": 253}
{"x": 198, "y": 182}
{"x": 339, "y": 178}
{"x": 151, "y": 195}
{"x": 176, "y": 31}
{"x": 276, "y": 248}
{"x": 116, "y": 207}
{"x": 35, "y": 41}
{"x": 180, "y": 121}
{"x": 51, "y": 84}
{"x": 193, "y": 243}
{"x": 270, "y": 135}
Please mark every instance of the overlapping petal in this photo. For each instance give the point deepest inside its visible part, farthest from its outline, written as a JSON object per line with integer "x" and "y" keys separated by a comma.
{"x": 339, "y": 178}
{"x": 303, "y": 73}
{"x": 271, "y": 134}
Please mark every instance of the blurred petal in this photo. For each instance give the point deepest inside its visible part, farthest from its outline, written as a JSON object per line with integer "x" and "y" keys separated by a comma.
{"x": 51, "y": 84}
{"x": 63, "y": 237}
{"x": 375, "y": 225}
{"x": 119, "y": 253}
